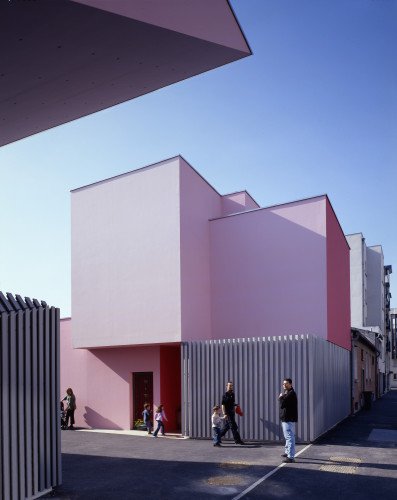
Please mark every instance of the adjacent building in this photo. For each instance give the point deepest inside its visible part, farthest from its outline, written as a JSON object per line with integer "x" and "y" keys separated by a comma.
{"x": 393, "y": 335}
{"x": 160, "y": 260}
{"x": 370, "y": 305}
{"x": 389, "y": 368}
{"x": 364, "y": 368}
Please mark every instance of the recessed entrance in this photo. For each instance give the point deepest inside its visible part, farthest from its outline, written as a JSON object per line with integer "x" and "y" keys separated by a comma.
{"x": 142, "y": 392}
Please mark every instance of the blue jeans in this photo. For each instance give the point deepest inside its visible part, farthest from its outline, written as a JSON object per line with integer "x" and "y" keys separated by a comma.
{"x": 230, "y": 423}
{"x": 217, "y": 435}
{"x": 288, "y": 431}
{"x": 159, "y": 425}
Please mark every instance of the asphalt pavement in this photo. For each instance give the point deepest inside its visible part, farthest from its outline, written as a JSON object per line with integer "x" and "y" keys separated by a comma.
{"x": 355, "y": 460}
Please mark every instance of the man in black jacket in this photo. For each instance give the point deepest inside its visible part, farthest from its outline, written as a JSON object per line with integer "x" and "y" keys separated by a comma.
{"x": 229, "y": 412}
{"x": 288, "y": 414}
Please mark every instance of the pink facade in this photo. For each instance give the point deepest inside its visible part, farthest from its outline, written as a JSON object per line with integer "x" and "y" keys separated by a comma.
{"x": 159, "y": 257}
{"x": 141, "y": 245}
{"x": 279, "y": 271}
{"x": 268, "y": 271}
{"x": 338, "y": 287}
{"x": 102, "y": 380}
{"x": 198, "y": 201}
{"x": 237, "y": 202}
{"x": 126, "y": 257}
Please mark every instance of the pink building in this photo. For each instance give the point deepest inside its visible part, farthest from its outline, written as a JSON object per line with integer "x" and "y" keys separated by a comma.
{"x": 159, "y": 258}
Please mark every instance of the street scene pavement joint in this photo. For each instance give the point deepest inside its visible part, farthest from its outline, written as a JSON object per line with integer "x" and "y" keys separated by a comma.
{"x": 342, "y": 465}
{"x": 234, "y": 465}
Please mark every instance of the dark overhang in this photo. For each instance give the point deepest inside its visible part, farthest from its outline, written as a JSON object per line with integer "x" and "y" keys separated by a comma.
{"x": 64, "y": 59}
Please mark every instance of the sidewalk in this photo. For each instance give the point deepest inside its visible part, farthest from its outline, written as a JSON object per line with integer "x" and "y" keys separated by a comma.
{"x": 355, "y": 460}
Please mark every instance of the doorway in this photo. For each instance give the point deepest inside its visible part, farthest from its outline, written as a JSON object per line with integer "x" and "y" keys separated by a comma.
{"x": 142, "y": 392}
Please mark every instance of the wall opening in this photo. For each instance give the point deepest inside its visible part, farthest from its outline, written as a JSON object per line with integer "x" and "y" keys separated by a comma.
{"x": 142, "y": 393}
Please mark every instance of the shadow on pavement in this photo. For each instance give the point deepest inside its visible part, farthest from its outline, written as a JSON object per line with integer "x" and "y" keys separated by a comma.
{"x": 104, "y": 478}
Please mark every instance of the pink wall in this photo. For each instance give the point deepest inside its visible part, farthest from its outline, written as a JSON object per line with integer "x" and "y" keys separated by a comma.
{"x": 73, "y": 370}
{"x": 338, "y": 282}
{"x": 237, "y": 202}
{"x": 268, "y": 270}
{"x": 199, "y": 202}
{"x": 126, "y": 259}
{"x": 102, "y": 380}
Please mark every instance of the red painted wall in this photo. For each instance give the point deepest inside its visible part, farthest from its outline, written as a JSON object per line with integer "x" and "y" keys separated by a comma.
{"x": 338, "y": 282}
{"x": 170, "y": 385}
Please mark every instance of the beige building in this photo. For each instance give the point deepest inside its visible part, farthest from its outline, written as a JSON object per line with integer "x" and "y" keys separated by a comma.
{"x": 364, "y": 368}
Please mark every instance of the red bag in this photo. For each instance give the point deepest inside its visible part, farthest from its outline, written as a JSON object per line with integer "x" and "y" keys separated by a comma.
{"x": 239, "y": 411}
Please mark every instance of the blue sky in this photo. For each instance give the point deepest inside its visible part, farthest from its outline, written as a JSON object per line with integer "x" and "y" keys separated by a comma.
{"x": 313, "y": 111}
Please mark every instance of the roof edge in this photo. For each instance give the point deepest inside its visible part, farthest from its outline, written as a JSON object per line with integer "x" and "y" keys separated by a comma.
{"x": 271, "y": 206}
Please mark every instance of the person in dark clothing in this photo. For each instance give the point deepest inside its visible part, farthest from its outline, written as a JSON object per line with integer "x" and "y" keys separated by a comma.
{"x": 147, "y": 413}
{"x": 288, "y": 414}
{"x": 70, "y": 407}
{"x": 229, "y": 413}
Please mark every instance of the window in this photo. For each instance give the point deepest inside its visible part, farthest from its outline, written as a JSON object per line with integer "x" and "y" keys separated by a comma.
{"x": 362, "y": 355}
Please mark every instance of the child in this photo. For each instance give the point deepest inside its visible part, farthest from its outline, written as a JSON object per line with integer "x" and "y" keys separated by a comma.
{"x": 63, "y": 417}
{"x": 216, "y": 425}
{"x": 159, "y": 416}
{"x": 146, "y": 418}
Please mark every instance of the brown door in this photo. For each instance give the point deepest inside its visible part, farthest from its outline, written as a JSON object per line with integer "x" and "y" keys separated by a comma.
{"x": 142, "y": 393}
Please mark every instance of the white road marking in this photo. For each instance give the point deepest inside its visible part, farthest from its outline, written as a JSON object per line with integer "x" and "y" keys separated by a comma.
{"x": 243, "y": 493}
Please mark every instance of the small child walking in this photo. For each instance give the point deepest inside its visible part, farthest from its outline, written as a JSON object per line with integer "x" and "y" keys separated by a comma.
{"x": 147, "y": 413}
{"x": 216, "y": 425}
{"x": 160, "y": 416}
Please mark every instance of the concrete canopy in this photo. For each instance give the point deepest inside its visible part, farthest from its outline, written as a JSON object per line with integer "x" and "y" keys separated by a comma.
{"x": 64, "y": 59}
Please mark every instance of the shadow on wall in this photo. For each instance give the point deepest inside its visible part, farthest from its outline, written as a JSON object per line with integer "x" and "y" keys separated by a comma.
{"x": 94, "y": 420}
{"x": 272, "y": 427}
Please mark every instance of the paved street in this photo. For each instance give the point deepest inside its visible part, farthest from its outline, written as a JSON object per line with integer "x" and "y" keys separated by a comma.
{"x": 355, "y": 460}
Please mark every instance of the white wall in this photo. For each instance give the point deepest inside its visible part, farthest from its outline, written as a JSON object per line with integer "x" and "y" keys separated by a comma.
{"x": 375, "y": 287}
{"x": 357, "y": 279}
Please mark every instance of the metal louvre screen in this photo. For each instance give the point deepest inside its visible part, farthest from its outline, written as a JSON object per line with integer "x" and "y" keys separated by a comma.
{"x": 30, "y": 457}
{"x": 257, "y": 366}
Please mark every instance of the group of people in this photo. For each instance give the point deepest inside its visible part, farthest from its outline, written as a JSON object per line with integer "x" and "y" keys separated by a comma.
{"x": 159, "y": 417}
{"x": 288, "y": 415}
{"x": 229, "y": 417}
{"x": 220, "y": 424}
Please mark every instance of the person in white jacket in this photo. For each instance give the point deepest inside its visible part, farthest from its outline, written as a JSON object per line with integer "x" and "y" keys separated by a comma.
{"x": 160, "y": 416}
{"x": 216, "y": 425}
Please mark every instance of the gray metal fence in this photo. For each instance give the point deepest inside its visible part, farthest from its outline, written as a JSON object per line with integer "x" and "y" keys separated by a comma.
{"x": 320, "y": 372}
{"x": 30, "y": 457}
